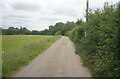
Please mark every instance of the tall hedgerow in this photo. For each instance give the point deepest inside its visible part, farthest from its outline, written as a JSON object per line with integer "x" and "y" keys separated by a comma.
{"x": 98, "y": 41}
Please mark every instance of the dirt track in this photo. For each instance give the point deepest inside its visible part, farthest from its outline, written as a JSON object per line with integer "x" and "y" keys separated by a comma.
{"x": 59, "y": 60}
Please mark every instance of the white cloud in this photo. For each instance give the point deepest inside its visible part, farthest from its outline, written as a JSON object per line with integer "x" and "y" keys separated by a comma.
{"x": 25, "y": 7}
{"x": 39, "y": 14}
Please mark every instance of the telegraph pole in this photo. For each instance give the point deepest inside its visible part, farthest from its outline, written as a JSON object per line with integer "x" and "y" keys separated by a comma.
{"x": 87, "y": 6}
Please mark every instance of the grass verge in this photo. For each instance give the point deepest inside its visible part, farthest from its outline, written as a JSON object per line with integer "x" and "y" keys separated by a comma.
{"x": 21, "y": 54}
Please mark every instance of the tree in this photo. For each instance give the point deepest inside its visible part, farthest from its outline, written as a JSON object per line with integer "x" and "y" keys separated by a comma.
{"x": 11, "y": 31}
{"x": 58, "y": 33}
{"x": 78, "y": 22}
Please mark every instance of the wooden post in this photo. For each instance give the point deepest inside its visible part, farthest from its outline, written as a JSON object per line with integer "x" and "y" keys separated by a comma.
{"x": 87, "y": 6}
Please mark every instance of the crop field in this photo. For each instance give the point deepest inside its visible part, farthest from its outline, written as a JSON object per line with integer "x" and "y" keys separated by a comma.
{"x": 19, "y": 50}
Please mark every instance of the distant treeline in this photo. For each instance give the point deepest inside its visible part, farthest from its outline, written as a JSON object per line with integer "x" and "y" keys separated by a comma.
{"x": 21, "y": 31}
{"x": 57, "y": 29}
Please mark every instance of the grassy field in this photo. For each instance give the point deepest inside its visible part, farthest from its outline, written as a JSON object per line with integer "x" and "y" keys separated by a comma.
{"x": 19, "y": 50}
{"x": 0, "y": 55}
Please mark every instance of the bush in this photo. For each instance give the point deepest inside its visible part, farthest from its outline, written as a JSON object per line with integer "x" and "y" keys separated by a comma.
{"x": 58, "y": 33}
{"x": 97, "y": 41}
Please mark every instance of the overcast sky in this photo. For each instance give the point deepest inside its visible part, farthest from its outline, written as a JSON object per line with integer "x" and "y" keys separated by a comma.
{"x": 39, "y": 14}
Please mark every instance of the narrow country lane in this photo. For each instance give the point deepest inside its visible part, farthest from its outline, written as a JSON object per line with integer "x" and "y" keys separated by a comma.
{"x": 59, "y": 60}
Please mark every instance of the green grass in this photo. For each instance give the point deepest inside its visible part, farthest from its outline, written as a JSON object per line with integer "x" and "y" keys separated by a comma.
{"x": 19, "y": 50}
{"x": 0, "y": 55}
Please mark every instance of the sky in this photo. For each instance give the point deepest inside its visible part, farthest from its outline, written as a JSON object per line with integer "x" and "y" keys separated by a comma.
{"x": 40, "y": 14}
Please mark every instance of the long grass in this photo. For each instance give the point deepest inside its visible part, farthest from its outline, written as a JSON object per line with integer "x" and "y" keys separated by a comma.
{"x": 19, "y": 50}
{"x": 0, "y": 55}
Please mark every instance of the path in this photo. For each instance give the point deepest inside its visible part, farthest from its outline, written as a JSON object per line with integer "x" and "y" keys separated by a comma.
{"x": 59, "y": 60}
